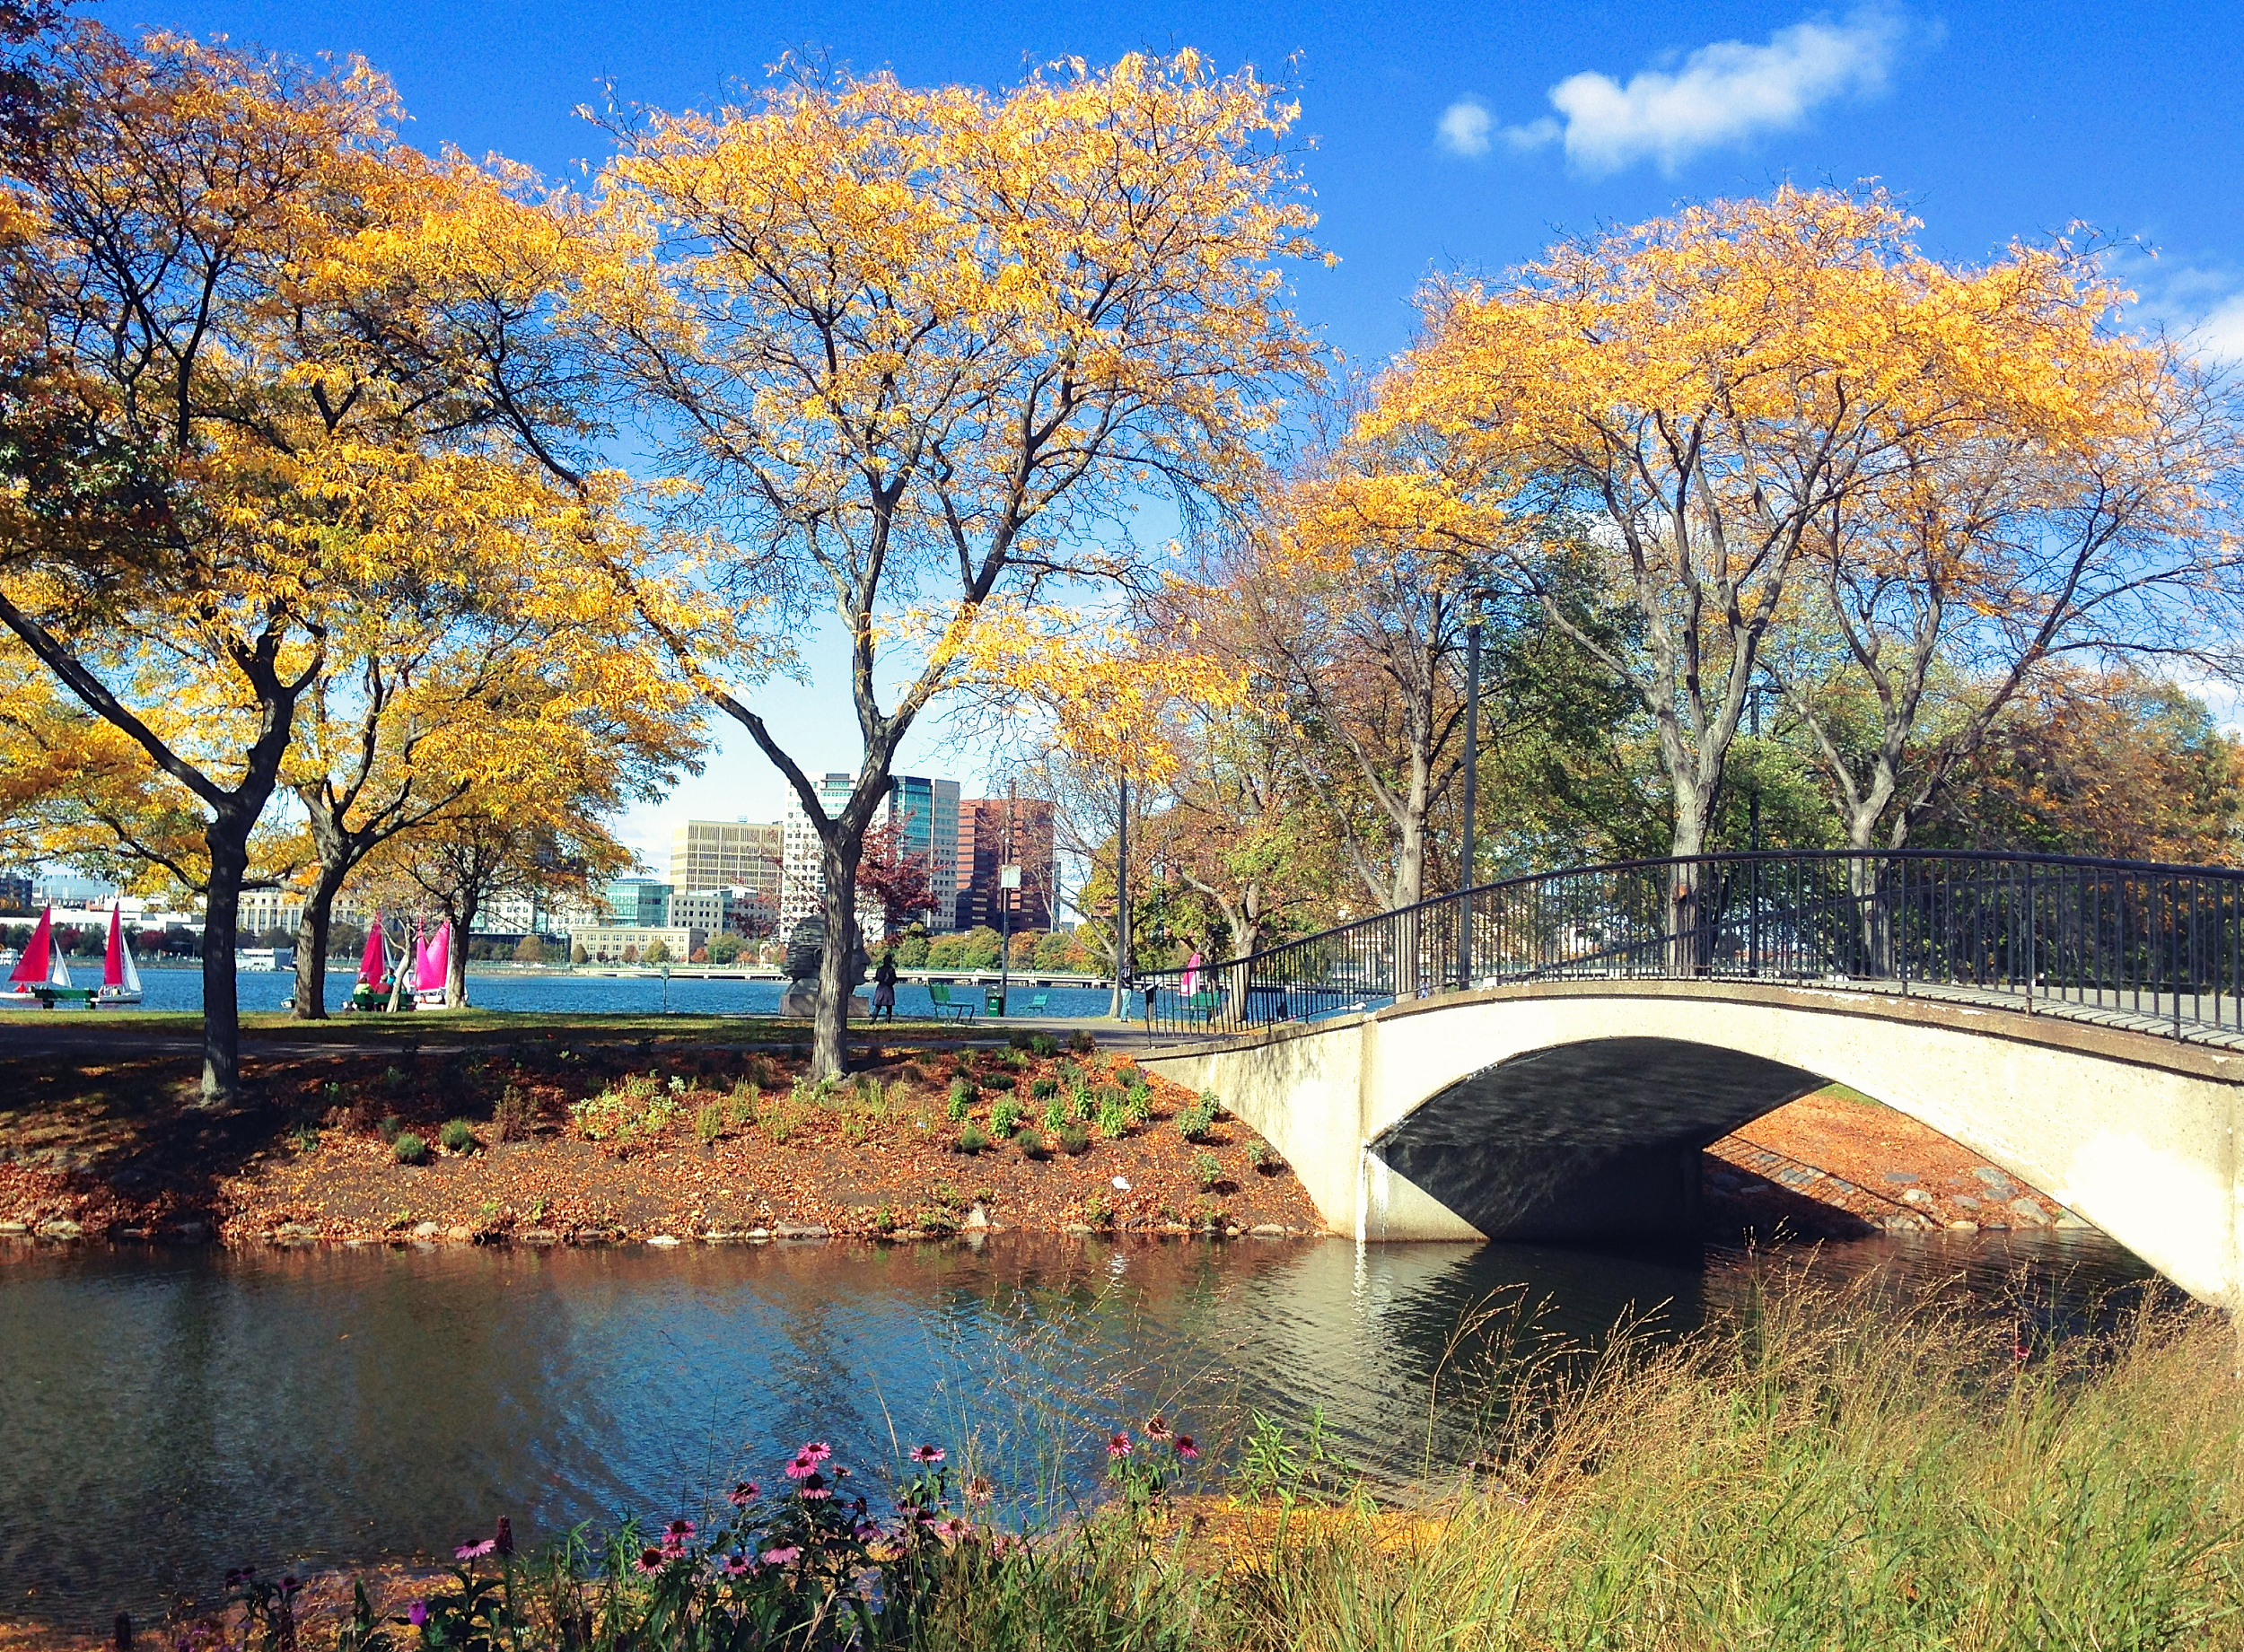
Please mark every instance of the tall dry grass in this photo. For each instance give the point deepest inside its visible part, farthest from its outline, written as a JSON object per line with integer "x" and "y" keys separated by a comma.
{"x": 1826, "y": 1471}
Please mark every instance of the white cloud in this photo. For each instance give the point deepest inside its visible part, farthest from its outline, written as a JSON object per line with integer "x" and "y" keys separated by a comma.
{"x": 2221, "y": 334}
{"x": 1723, "y": 93}
{"x": 1464, "y": 127}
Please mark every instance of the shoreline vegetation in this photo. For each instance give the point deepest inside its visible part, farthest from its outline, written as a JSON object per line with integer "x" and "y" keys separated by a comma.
{"x": 1827, "y": 1468}
{"x": 506, "y": 1127}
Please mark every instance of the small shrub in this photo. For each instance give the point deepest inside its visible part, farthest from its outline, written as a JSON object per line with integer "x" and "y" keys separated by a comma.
{"x": 390, "y": 1127}
{"x": 1000, "y": 1081}
{"x": 1029, "y": 1139}
{"x": 392, "y": 1080}
{"x": 709, "y": 1122}
{"x": 1075, "y": 1140}
{"x": 971, "y": 1139}
{"x": 1082, "y": 1043}
{"x": 1020, "y": 1040}
{"x": 1114, "y": 1123}
{"x": 1098, "y": 1211}
{"x": 1137, "y": 1106}
{"x": 1042, "y": 1088}
{"x": 1043, "y": 1044}
{"x": 1195, "y": 1121}
{"x": 884, "y": 1221}
{"x": 511, "y": 1119}
{"x": 1057, "y": 1115}
{"x": 744, "y": 1103}
{"x": 1207, "y": 1171}
{"x": 962, "y": 1099}
{"x": 1213, "y": 1103}
{"x": 1016, "y": 1059}
{"x": 409, "y": 1150}
{"x": 855, "y": 1128}
{"x": 458, "y": 1136}
{"x": 1264, "y": 1158}
{"x": 1004, "y": 1117}
{"x": 304, "y": 1139}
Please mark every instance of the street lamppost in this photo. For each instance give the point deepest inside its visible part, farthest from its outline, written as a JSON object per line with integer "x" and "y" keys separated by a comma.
{"x": 1470, "y": 851}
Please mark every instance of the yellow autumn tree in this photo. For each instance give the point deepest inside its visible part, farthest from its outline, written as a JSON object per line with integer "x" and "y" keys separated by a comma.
{"x": 917, "y": 347}
{"x": 1687, "y": 406}
{"x": 253, "y": 344}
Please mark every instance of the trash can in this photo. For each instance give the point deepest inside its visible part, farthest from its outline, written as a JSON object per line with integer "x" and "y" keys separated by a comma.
{"x": 994, "y": 1002}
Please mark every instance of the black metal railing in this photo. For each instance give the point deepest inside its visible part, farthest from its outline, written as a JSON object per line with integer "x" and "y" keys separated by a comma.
{"x": 2159, "y": 947}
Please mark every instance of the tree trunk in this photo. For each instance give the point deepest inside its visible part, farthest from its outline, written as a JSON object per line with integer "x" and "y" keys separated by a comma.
{"x": 829, "y": 1030}
{"x": 228, "y": 838}
{"x": 463, "y": 923}
{"x": 311, "y": 945}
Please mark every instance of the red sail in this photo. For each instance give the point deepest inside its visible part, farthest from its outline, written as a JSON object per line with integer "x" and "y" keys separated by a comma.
{"x": 33, "y": 965}
{"x": 113, "y": 962}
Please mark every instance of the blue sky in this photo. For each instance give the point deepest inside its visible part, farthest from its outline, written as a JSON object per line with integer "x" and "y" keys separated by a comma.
{"x": 1446, "y": 137}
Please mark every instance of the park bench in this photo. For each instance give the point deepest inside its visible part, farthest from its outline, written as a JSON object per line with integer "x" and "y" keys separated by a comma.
{"x": 962, "y": 1009}
{"x": 1035, "y": 1004}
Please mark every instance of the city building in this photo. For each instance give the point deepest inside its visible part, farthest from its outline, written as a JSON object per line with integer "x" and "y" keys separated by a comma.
{"x": 606, "y": 943}
{"x": 706, "y": 909}
{"x": 15, "y": 892}
{"x": 999, "y": 832}
{"x": 638, "y": 902}
{"x": 263, "y": 910}
{"x": 924, "y": 813}
{"x": 727, "y": 854}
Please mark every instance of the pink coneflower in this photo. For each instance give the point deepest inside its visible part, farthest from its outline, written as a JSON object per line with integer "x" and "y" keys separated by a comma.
{"x": 818, "y": 1451}
{"x": 680, "y": 1531}
{"x": 802, "y": 1464}
{"x": 737, "y": 1565}
{"x": 742, "y": 1494}
{"x": 864, "y": 1531}
{"x": 1157, "y": 1429}
{"x": 651, "y": 1560}
{"x": 475, "y": 1552}
{"x": 1117, "y": 1446}
{"x": 416, "y": 1613}
{"x": 1186, "y": 1449}
{"x": 953, "y": 1528}
{"x": 927, "y": 1454}
{"x": 782, "y": 1557}
{"x": 977, "y": 1489}
{"x": 814, "y": 1488}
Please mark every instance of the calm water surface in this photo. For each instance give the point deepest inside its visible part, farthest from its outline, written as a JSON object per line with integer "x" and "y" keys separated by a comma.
{"x": 167, "y": 1415}
{"x": 182, "y": 989}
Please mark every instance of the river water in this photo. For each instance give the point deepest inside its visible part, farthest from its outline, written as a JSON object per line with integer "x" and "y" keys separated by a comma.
{"x": 573, "y": 994}
{"x": 169, "y": 1414}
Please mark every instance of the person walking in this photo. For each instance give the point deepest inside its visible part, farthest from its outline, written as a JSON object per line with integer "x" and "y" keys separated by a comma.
{"x": 884, "y": 986}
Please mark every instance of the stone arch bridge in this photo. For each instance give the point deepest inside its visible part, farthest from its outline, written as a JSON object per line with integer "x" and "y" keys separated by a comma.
{"x": 1546, "y": 1059}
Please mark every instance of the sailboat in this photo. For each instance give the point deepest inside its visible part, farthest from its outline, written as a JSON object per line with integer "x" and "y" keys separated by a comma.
{"x": 41, "y": 976}
{"x": 120, "y": 978}
{"x": 431, "y": 967}
{"x": 373, "y": 970}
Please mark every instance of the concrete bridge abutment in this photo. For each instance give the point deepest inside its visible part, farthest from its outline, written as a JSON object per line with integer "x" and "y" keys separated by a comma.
{"x": 1576, "y": 1110}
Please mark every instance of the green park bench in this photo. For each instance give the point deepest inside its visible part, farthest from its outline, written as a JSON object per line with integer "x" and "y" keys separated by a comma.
{"x": 962, "y": 1009}
{"x": 1035, "y": 1004}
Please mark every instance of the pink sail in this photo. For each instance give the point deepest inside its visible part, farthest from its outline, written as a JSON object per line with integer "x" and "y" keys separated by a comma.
{"x": 428, "y": 975}
{"x": 113, "y": 960}
{"x": 373, "y": 964}
{"x": 436, "y": 962}
{"x": 1192, "y": 974}
{"x": 33, "y": 965}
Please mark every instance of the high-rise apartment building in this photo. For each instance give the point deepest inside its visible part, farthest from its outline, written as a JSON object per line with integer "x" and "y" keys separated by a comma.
{"x": 997, "y": 832}
{"x": 924, "y": 813}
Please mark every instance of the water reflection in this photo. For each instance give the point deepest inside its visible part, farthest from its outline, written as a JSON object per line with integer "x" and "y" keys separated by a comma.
{"x": 169, "y": 1415}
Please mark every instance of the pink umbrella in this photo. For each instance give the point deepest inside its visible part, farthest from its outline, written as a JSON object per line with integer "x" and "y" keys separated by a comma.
{"x": 1192, "y": 974}
{"x": 373, "y": 964}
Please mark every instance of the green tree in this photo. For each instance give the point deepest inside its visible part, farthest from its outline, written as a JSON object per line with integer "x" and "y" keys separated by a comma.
{"x": 530, "y": 950}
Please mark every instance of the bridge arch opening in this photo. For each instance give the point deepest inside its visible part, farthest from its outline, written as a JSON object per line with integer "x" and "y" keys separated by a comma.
{"x": 1604, "y": 1139}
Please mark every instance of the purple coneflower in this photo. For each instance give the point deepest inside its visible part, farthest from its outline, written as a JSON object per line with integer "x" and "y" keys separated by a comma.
{"x": 1186, "y": 1449}
{"x": 818, "y": 1451}
{"x": 1117, "y": 1446}
{"x": 814, "y": 1488}
{"x": 742, "y": 1494}
{"x": 780, "y": 1557}
{"x": 803, "y": 1462}
{"x": 1157, "y": 1429}
{"x": 652, "y": 1560}
{"x": 927, "y": 1454}
{"x": 475, "y": 1552}
{"x": 977, "y": 1489}
{"x": 416, "y": 1613}
{"x": 680, "y": 1531}
{"x": 737, "y": 1565}
{"x": 953, "y": 1528}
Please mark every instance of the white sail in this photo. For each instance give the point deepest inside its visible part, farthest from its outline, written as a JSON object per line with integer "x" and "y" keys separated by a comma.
{"x": 131, "y": 970}
{"x": 58, "y": 966}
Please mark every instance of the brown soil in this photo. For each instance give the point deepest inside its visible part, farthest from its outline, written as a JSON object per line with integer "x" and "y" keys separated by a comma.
{"x": 1837, "y": 1164}
{"x": 704, "y": 1143}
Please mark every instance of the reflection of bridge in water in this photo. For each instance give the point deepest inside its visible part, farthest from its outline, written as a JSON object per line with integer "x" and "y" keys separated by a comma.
{"x": 1545, "y": 1058}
